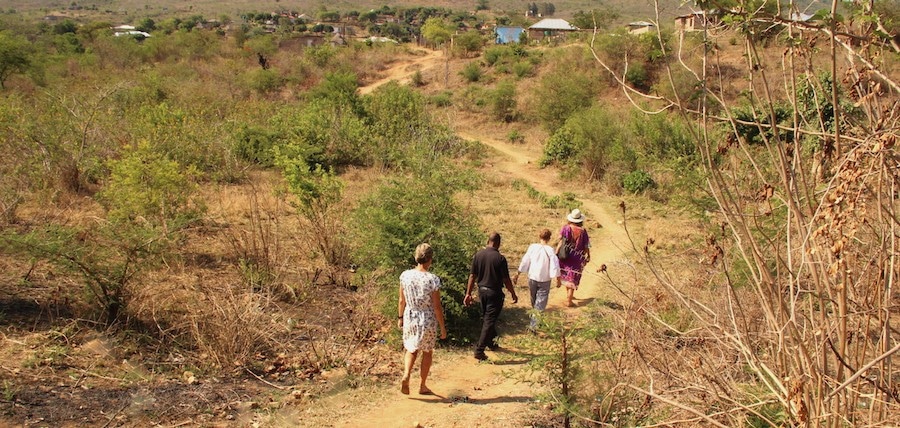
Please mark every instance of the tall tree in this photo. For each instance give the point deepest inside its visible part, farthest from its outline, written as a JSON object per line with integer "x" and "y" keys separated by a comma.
{"x": 436, "y": 31}
{"x": 15, "y": 52}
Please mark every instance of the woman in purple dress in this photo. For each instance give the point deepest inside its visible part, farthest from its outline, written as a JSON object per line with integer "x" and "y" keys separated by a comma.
{"x": 575, "y": 237}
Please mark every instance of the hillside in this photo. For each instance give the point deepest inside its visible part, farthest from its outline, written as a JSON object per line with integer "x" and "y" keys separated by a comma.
{"x": 127, "y": 11}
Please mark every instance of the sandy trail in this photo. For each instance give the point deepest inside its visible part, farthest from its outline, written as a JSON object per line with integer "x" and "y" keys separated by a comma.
{"x": 402, "y": 71}
{"x": 469, "y": 393}
{"x": 472, "y": 394}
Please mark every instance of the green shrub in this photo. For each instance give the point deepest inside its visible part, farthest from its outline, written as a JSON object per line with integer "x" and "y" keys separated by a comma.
{"x": 756, "y": 134}
{"x": 262, "y": 81}
{"x": 321, "y": 55}
{"x": 318, "y": 192}
{"x": 468, "y": 42}
{"x": 254, "y": 144}
{"x": 328, "y": 133}
{"x": 184, "y": 135}
{"x": 563, "y": 93}
{"x": 443, "y": 99}
{"x": 422, "y": 207}
{"x": 149, "y": 200}
{"x": 397, "y": 119}
{"x": 560, "y": 147}
{"x": 15, "y": 55}
{"x": 522, "y": 69}
{"x": 503, "y": 103}
{"x": 417, "y": 80}
{"x": 664, "y": 137}
{"x": 147, "y": 188}
{"x": 565, "y": 200}
{"x": 494, "y": 54}
{"x": 638, "y": 77}
{"x": 637, "y": 181}
{"x": 515, "y": 136}
{"x": 472, "y": 72}
{"x": 593, "y": 142}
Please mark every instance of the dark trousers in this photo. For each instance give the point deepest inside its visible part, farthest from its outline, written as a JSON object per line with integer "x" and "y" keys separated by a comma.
{"x": 491, "y": 305}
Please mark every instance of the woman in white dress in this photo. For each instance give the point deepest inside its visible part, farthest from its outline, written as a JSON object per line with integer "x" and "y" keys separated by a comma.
{"x": 419, "y": 315}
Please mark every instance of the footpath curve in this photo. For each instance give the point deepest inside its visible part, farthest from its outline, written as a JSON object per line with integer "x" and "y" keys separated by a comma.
{"x": 470, "y": 394}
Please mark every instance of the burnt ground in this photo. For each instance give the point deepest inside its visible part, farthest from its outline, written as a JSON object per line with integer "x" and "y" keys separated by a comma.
{"x": 57, "y": 370}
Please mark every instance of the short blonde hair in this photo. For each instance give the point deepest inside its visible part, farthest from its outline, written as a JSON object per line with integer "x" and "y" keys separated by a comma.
{"x": 424, "y": 253}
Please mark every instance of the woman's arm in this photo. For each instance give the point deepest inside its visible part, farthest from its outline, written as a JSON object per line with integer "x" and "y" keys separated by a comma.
{"x": 439, "y": 312}
{"x": 401, "y": 306}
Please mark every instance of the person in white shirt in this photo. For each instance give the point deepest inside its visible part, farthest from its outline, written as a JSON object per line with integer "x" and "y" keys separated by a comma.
{"x": 542, "y": 265}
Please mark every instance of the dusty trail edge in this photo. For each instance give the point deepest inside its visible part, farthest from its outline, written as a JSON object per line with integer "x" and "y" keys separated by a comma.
{"x": 468, "y": 393}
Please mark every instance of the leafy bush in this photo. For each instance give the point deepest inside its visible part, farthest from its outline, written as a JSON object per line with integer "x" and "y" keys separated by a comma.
{"x": 147, "y": 188}
{"x": 664, "y": 137}
{"x": 759, "y": 128}
{"x": 638, "y": 77}
{"x": 637, "y": 181}
{"x": 318, "y": 191}
{"x": 522, "y": 69}
{"x": 183, "y": 134}
{"x": 468, "y": 42}
{"x": 398, "y": 120}
{"x": 328, "y": 133}
{"x": 262, "y": 81}
{"x": 417, "y": 80}
{"x": 472, "y": 72}
{"x": 408, "y": 210}
{"x": 149, "y": 200}
{"x": 684, "y": 85}
{"x": 15, "y": 55}
{"x": 562, "y": 93}
{"x": 254, "y": 144}
{"x": 561, "y": 147}
{"x": 321, "y": 55}
{"x": 594, "y": 141}
{"x": 443, "y": 99}
{"x": 503, "y": 103}
{"x": 515, "y": 136}
{"x": 493, "y": 54}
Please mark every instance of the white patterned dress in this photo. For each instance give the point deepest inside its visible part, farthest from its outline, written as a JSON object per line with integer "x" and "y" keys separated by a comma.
{"x": 419, "y": 323}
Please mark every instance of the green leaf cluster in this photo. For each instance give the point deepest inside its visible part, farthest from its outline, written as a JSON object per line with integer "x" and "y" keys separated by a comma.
{"x": 409, "y": 209}
{"x": 147, "y": 188}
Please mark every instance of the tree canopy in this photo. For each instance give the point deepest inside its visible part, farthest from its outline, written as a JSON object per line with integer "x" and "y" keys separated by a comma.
{"x": 15, "y": 53}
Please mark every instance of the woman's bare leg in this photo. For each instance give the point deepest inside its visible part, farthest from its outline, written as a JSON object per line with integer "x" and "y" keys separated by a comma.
{"x": 409, "y": 360}
{"x": 426, "y": 368}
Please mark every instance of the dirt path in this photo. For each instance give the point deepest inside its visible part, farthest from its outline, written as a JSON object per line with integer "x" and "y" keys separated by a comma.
{"x": 402, "y": 71}
{"x": 469, "y": 393}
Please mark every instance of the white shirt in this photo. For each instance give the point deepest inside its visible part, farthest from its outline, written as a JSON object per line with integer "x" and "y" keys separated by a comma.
{"x": 540, "y": 262}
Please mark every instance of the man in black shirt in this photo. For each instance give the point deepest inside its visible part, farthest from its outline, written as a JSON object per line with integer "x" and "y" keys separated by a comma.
{"x": 491, "y": 272}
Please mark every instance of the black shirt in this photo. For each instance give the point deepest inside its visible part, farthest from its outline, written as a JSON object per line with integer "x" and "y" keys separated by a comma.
{"x": 490, "y": 268}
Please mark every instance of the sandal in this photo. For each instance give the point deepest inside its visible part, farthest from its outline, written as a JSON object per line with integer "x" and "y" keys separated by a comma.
{"x": 425, "y": 391}
{"x": 404, "y": 386}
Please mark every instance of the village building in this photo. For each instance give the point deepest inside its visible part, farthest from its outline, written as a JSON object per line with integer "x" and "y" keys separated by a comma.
{"x": 640, "y": 27}
{"x": 695, "y": 21}
{"x": 550, "y": 28}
